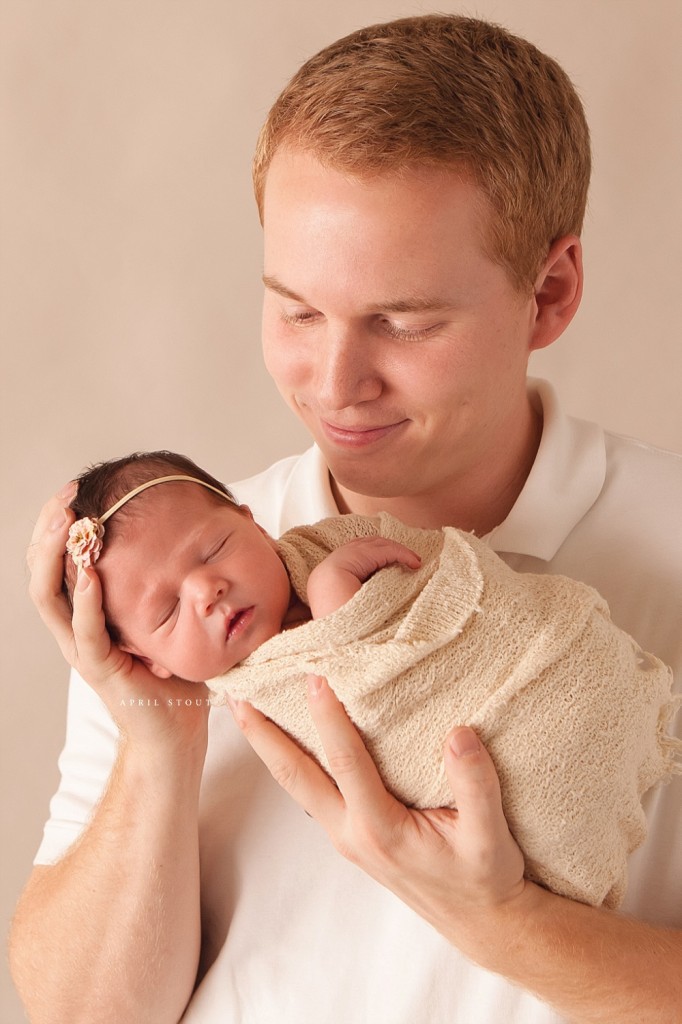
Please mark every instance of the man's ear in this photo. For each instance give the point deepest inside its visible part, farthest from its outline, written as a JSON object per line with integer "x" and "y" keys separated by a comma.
{"x": 156, "y": 670}
{"x": 558, "y": 291}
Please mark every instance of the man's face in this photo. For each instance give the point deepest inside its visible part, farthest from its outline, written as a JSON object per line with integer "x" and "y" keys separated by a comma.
{"x": 388, "y": 330}
{"x": 194, "y": 586}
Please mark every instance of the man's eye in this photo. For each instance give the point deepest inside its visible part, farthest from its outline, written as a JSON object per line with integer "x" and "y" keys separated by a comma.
{"x": 299, "y": 318}
{"x": 408, "y": 333}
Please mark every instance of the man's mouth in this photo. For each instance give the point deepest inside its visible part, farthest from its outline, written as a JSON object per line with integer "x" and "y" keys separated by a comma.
{"x": 360, "y": 436}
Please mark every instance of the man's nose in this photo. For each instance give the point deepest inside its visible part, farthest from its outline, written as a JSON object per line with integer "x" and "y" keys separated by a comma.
{"x": 345, "y": 374}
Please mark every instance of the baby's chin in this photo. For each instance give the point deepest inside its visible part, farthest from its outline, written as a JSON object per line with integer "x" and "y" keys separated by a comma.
{"x": 196, "y": 678}
{"x": 208, "y": 672}
{"x": 196, "y": 675}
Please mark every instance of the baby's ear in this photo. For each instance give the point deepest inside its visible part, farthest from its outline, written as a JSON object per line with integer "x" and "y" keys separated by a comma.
{"x": 156, "y": 670}
{"x": 247, "y": 512}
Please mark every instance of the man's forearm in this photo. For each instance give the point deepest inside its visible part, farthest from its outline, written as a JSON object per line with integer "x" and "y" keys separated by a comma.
{"x": 112, "y": 932}
{"x": 593, "y": 966}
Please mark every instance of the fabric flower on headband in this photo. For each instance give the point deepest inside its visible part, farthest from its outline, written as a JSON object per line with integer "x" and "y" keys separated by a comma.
{"x": 85, "y": 542}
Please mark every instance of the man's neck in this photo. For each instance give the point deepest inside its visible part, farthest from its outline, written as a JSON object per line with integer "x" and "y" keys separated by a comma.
{"x": 476, "y": 502}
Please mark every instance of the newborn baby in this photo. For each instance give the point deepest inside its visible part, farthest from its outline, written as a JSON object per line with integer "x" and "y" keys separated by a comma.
{"x": 415, "y": 630}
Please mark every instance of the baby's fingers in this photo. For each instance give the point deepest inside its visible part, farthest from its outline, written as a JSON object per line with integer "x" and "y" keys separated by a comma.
{"x": 375, "y": 553}
{"x": 403, "y": 555}
{"x": 367, "y": 555}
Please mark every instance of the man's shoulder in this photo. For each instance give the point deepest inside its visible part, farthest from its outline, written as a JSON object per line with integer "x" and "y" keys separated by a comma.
{"x": 654, "y": 473}
{"x": 292, "y": 490}
{"x": 275, "y": 477}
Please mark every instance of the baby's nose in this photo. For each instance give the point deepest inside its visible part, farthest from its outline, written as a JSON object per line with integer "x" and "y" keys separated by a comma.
{"x": 207, "y": 594}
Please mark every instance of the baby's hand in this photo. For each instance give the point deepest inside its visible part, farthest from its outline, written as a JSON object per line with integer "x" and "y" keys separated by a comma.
{"x": 342, "y": 573}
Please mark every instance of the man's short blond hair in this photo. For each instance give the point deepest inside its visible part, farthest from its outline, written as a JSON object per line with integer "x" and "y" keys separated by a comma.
{"x": 444, "y": 90}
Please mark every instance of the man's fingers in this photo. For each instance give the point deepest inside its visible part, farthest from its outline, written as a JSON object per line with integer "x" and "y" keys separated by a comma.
{"x": 52, "y": 516}
{"x": 349, "y": 762}
{"x": 45, "y": 559}
{"x": 484, "y": 838}
{"x": 91, "y": 640}
{"x": 473, "y": 846}
{"x": 81, "y": 634}
{"x": 355, "y": 787}
{"x": 289, "y": 765}
{"x": 473, "y": 778}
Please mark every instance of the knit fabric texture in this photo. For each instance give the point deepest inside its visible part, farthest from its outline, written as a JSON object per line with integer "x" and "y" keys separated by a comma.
{"x": 573, "y": 713}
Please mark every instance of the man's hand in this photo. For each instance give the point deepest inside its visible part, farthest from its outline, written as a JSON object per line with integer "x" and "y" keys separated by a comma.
{"x": 445, "y": 864}
{"x": 142, "y": 706}
{"x": 342, "y": 573}
{"x": 463, "y": 873}
{"x": 73, "y": 937}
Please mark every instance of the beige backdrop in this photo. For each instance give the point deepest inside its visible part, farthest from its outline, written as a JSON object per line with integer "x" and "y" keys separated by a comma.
{"x": 129, "y": 281}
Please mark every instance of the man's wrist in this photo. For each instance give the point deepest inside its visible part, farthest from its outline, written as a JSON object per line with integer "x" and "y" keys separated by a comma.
{"x": 494, "y": 935}
{"x": 167, "y": 752}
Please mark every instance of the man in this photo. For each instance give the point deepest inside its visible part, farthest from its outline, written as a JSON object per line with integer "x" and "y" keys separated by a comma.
{"x": 422, "y": 186}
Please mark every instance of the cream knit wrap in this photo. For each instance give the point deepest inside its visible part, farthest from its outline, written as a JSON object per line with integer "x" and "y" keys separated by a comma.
{"x": 572, "y": 711}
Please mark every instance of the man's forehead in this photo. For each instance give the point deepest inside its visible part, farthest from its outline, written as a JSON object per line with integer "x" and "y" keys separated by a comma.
{"x": 314, "y": 201}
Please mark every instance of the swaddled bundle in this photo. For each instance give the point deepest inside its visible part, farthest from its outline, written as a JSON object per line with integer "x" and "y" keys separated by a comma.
{"x": 572, "y": 711}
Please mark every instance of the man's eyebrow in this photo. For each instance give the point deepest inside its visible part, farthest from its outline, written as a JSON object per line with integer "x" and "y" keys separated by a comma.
{"x": 273, "y": 285}
{"x": 410, "y": 304}
{"x": 414, "y": 304}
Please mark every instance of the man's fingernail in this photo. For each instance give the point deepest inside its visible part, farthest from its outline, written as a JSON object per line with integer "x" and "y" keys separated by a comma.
{"x": 314, "y": 685}
{"x": 68, "y": 491}
{"x": 83, "y": 581}
{"x": 235, "y": 707}
{"x": 464, "y": 742}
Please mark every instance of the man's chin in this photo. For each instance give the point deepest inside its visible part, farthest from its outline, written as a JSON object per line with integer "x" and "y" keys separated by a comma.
{"x": 347, "y": 485}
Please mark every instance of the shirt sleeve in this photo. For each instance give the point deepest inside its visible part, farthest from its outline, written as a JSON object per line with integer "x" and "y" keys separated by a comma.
{"x": 85, "y": 765}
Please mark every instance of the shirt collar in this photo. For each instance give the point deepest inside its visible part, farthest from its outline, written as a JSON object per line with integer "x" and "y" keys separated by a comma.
{"x": 566, "y": 479}
{"x": 308, "y": 495}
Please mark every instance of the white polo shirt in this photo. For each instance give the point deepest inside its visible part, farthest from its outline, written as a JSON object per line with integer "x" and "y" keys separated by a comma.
{"x": 293, "y": 933}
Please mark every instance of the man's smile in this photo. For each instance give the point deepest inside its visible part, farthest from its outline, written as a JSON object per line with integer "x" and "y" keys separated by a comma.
{"x": 358, "y": 436}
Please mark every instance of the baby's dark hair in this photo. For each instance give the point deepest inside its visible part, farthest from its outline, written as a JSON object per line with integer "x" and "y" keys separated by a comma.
{"x": 101, "y": 485}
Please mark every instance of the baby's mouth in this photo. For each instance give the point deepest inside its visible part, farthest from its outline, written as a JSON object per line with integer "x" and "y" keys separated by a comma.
{"x": 236, "y": 623}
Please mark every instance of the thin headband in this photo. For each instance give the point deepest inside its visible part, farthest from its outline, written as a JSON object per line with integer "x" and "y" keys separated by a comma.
{"x": 85, "y": 535}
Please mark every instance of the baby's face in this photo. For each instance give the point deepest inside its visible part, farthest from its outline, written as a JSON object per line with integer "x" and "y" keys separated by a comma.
{"x": 194, "y": 586}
